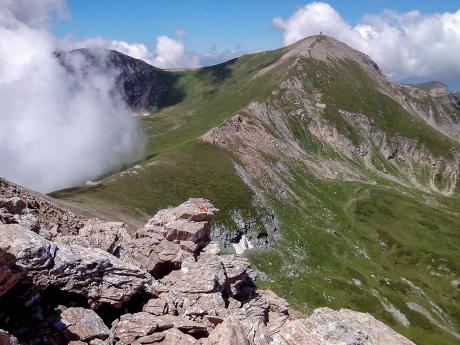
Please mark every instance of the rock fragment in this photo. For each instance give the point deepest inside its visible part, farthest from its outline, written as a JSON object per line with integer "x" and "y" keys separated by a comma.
{"x": 84, "y": 324}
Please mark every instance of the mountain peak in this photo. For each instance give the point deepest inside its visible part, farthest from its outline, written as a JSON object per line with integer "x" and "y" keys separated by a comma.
{"x": 326, "y": 49}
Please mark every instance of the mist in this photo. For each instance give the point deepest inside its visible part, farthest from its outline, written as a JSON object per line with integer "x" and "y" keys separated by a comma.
{"x": 62, "y": 122}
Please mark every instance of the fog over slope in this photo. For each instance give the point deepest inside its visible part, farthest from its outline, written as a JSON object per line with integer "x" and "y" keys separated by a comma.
{"x": 58, "y": 128}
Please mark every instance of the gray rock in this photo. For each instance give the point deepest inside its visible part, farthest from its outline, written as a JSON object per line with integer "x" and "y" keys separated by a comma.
{"x": 131, "y": 327}
{"x": 91, "y": 272}
{"x": 329, "y": 327}
{"x": 108, "y": 236}
{"x": 84, "y": 324}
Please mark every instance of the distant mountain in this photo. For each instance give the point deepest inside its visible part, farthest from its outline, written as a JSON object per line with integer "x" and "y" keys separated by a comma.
{"x": 430, "y": 86}
{"x": 345, "y": 183}
{"x": 142, "y": 85}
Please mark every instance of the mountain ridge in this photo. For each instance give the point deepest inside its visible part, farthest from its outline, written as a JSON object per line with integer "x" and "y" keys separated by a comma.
{"x": 343, "y": 181}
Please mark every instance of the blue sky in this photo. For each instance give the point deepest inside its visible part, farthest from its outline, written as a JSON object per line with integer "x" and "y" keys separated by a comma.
{"x": 422, "y": 45}
{"x": 225, "y": 24}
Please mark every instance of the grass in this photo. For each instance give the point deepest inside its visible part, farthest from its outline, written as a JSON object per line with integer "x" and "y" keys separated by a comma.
{"x": 178, "y": 165}
{"x": 346, "y": 86}
{"x": 334, "y": 233}
{"x": 345, "y": 231}
{"x": 193, "y": 170}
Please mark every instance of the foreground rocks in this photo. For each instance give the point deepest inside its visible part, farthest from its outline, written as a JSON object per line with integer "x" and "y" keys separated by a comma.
{"x": 167, "y": 283}
{"x": 90, "y": 272}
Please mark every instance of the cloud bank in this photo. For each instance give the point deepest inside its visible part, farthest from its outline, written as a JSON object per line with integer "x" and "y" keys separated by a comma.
{"x": 58, "y": 129}
{"x": 403, "y": 44}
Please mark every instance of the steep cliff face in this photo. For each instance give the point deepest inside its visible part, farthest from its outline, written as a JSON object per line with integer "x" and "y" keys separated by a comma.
{"x": 339, "y": 185}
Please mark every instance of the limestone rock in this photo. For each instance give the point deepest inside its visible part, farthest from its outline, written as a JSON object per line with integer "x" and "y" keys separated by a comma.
{"x": 108, "y": 236}
{"x": 36, "y": 211}
{"x": 329, "y": 327}
{"x": 91, "y": 272}
{"x": 194, "y": 209}
{"x": 171, "y": 236}
{"x": 85, "y": 324}
{"x": 131, "y": 327}
{"x": 228, "y": 333}
{"x": 213, "y": 273}
{"x": 176, "y": 337}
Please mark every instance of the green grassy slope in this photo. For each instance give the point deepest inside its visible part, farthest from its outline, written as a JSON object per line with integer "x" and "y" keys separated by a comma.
{"x": 178, "y": 164}
{"x": 348, "y": 240}
{"x": 381, "y": 247}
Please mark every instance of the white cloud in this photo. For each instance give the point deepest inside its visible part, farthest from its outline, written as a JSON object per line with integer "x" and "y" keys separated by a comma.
{"x": 403, "y": 44}
{"x": 36, "y": 14}
{"x": 58, "y": 129}
{"x": 136, "y": 50}
{"x": 168, "y": 52}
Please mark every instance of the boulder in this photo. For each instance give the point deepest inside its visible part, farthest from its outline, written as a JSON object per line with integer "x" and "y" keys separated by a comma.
{"x": 91, "y": 272}
{"x": 194, "y": 209}
{"x": 212, "y": 273}
{"x": 176, "y": 337}
{"x": 157, "y": 257}
{"x": 108, "y": 236}
{"x": 84, "y": 324}
{"x": 330, "y": 327}
{"x": 228, "y": 333}
{"x": 138, "y": 326}
{"x": 131, "y": 327}
{"x": 185, "y": 230}
{"x": 181, "y": 323}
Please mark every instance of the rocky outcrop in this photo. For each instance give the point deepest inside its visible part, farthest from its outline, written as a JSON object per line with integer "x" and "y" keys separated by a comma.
{"x": 69, "y": 291}
{"x": 91, "y": 272}
{"x": 36, "y": 212}
{"x": 327, "y": 326}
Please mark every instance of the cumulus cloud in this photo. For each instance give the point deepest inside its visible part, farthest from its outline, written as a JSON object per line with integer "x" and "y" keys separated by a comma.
{"x": 403, "y": 44}
{"x": 60, "y": 126}
{"x": 168, "y": 52}
{"x": 135, "y": 50}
